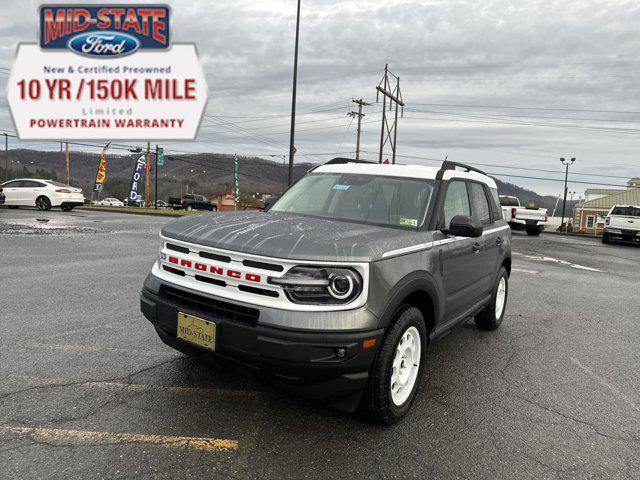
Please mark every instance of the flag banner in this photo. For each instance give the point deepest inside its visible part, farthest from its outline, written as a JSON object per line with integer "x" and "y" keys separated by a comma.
{"x": 102, "y": 170}
{"x": 236, "y": 187}
{"x": 138, "y": 169}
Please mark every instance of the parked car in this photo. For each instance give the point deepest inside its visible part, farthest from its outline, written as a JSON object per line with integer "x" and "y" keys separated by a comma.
{"x": 161, "y": 204}
{"x": 337, "y": 290}
{"x": 622, "y": 221}
{"x": 267, "y": 203}
{"x": 529, "y": 219}
{"x": 44, "y": 194}
{"x": 110, "y": 202}
{"x": 192, "y": 202}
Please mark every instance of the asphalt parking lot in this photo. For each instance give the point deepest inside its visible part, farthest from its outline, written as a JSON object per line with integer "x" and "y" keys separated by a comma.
{"x": 87, "y": 390}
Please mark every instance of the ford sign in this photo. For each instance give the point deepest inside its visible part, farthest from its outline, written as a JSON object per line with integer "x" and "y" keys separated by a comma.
{"x": 104, "y": 44}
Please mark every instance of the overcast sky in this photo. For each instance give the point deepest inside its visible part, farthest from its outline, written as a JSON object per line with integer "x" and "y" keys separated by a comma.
{"x": 569, "y": 71}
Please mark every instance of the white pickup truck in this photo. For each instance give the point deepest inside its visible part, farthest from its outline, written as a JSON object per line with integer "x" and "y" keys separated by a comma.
{"x": 529, "y": 219}
{"x": 622, "y": 221}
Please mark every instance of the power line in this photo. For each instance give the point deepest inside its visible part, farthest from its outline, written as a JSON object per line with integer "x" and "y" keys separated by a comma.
{"x": 511, "y": 107}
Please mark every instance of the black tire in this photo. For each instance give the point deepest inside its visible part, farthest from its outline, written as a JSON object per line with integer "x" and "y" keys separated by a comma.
{"x": 43, "y": 203}
{"x": 487, "y": 319}
{"x": 214, "y": 209}
{"x": 605, "y": 238}
{"x": 377, "y": 400}
{"x": 188, "y": 208}
{"x": 533, "y": 231}
{"x": 66, "y": 208}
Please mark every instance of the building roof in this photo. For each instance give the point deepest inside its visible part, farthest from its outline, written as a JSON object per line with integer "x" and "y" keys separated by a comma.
{"x": 603, "y": 191}
{"x": 624, "y": 197}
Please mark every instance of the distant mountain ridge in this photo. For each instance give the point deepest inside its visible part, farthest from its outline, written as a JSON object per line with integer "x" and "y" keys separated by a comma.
{"x": 203, "y": 173}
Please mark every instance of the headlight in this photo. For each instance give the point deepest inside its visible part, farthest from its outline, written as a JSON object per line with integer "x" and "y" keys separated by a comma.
{"x": 320, "y": 285}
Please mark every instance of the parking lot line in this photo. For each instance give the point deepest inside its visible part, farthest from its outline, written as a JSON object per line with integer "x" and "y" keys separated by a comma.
{"x": 108, "y": 438}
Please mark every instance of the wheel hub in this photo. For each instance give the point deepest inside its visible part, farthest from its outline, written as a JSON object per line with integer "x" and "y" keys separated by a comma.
{"x": 406, "y": 364}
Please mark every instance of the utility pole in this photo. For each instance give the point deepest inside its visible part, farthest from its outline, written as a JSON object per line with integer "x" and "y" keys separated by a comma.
{"x": 566, "y": 176}
{"x": 155, "y": 195}
{"x": 293, "y": 100}
{"x": 358, "y": 114}
{"x": 6, "y": 157}
{"x": 566, "y": 230}
{"x": 389, "y": 131}
{"x": 66, "y": 157}
{"x": 147, "y": 171}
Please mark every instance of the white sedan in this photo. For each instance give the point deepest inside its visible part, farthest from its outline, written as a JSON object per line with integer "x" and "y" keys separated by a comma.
{"x": 110, "y": 202}
{"x": 44, "y": 194}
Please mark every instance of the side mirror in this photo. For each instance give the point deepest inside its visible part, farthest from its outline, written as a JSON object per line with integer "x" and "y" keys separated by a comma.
{"x": 463, "y": 226}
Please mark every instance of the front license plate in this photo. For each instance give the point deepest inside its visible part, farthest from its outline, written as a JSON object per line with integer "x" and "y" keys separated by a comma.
{"x": 197, "y": 331}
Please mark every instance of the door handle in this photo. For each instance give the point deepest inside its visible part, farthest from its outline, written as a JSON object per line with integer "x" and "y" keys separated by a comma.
{"x": 499, "y": 241}
{"x": 476, "y": 247}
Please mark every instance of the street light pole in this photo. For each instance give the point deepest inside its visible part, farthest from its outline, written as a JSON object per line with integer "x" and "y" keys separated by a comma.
{"x": 293, "y": 100}
{"x": 566, "y": 176}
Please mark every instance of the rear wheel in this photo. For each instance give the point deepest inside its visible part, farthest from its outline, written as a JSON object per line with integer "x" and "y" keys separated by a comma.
{"x": 534, "y": 231}
{"x": 214, "y": 209}
{"x": 43, "y": 203}
{"x": 66, "y": 208}
{"x": 396, "y": 372}
{"x": 189, "y": 208}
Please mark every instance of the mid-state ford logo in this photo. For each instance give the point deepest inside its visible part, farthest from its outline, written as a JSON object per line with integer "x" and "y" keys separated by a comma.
{"x": 104, "y": 44}
{"x": 106, "y": 30}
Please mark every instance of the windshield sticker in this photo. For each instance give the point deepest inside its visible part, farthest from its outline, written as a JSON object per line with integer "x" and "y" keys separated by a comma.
{"x": 340, "y": 187}
{"x": 408, "y": 222}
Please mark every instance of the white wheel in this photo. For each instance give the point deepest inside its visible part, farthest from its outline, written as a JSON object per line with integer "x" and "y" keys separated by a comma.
{"x": 406, "y": 365}
{"x": 501, "y": 297}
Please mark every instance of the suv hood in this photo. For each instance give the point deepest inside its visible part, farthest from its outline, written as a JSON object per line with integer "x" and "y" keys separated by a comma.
{"x": 289, "y": 236}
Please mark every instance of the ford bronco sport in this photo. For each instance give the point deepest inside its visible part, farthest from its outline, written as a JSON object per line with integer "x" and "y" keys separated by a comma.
{"x": 336, "y": 291}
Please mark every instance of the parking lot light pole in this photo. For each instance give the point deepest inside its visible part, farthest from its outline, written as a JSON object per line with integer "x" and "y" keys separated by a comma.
{"x": 566, "y": 176}
{"x": 292, "y": 132}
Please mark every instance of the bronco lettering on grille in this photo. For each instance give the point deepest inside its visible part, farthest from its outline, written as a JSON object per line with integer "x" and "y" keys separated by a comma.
{"x": 214, "y": 269}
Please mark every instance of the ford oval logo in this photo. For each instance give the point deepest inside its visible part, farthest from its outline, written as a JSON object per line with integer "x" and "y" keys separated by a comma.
{"x": 104, "y": 44}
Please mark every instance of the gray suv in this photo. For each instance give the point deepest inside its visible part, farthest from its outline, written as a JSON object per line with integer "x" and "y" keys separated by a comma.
{"x": 337, "y": 290}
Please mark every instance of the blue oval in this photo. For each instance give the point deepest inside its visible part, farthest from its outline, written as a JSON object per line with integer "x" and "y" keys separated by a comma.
{"x": 104, "y": 44}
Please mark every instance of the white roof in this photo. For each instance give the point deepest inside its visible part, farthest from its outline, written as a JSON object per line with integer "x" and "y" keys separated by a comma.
{"x": 408, "y": 171}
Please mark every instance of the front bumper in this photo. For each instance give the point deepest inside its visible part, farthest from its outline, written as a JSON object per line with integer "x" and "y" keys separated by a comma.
{"x": 315, "y": 364}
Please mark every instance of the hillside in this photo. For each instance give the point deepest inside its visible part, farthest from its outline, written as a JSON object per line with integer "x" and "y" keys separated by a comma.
{"x": 203, "y": 173}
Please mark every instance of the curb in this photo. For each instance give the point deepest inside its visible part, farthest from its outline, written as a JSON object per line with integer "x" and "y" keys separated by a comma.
{"x": 571, "y": 234}
{"x": 129, "y": 212}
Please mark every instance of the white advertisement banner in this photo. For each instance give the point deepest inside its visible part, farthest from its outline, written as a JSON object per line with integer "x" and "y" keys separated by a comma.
{"x": 151, "y": 95}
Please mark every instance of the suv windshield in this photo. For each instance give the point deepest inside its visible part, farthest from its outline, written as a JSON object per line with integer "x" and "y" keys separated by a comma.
{"x": 392, "y": 201}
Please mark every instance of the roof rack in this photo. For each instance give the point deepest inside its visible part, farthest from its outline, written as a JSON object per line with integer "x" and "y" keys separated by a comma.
{"x": 449, "y": 165}
{"x": 339, "y": 160}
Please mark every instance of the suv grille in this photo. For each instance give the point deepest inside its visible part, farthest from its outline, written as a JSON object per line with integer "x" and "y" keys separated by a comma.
{"x": 209, "y": 306}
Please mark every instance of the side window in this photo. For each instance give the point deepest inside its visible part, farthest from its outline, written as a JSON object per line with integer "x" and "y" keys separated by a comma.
{"x": 495, "y": 204}
{"x": 31, "y": 184}
{"x": 14, "y": 184}
{"x": 481, "y": 211}
{"x": 456, "y": 202}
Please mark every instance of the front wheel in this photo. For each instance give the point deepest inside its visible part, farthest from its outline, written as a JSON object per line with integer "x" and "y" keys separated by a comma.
{"x": 214, "y": 209}
{"x": 605, "y": 238}
{"x": 43, "y": 203}
{"x": 398, "y": 367}
{"x": 491, "y": 317}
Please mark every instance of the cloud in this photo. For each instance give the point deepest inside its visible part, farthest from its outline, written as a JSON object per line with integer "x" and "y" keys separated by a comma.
{"x": 573, "y": 55}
